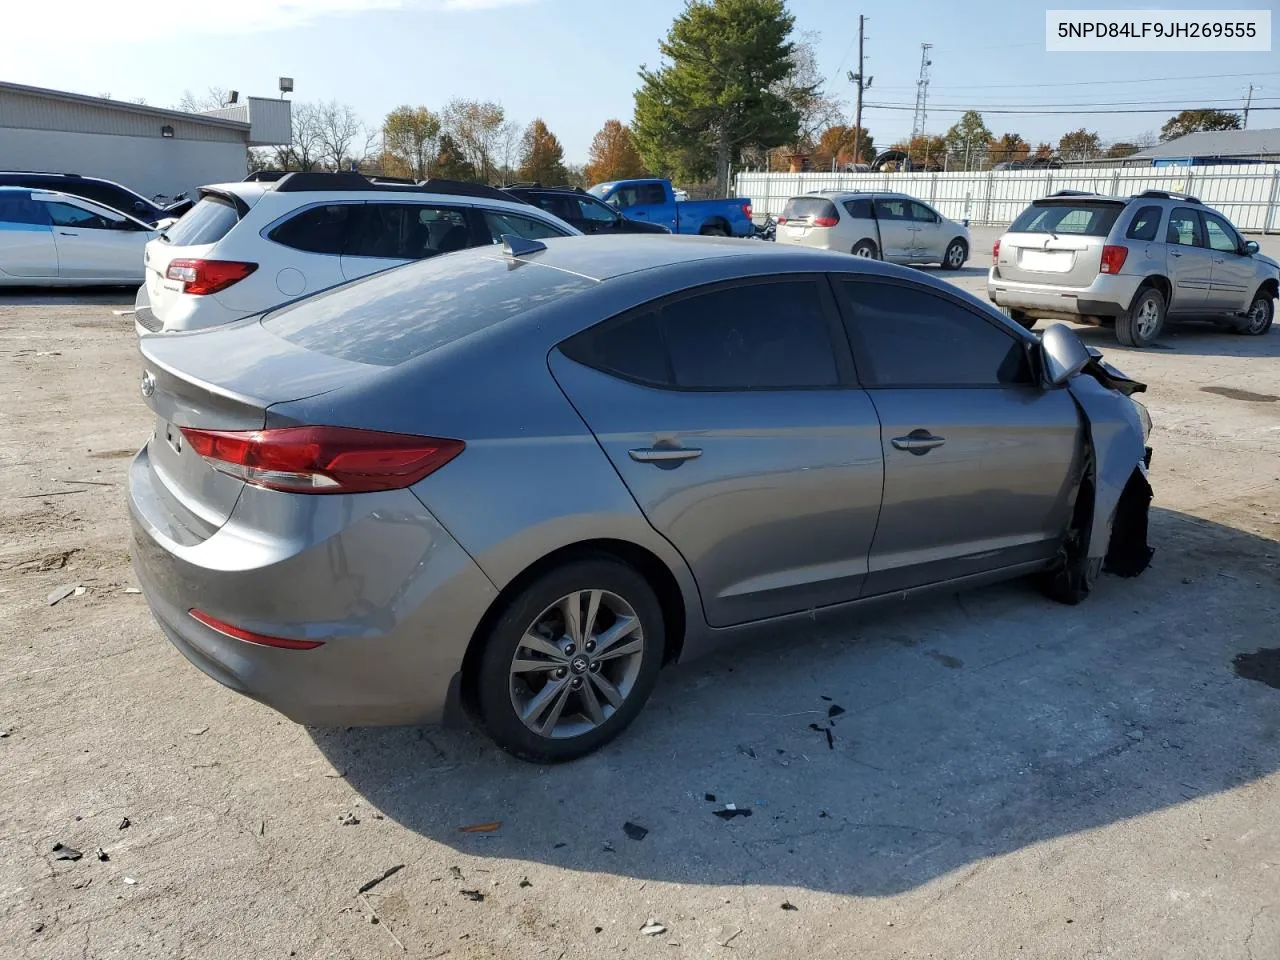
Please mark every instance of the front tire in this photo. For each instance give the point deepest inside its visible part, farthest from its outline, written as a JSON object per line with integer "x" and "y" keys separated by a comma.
{"x": 1144, "y": 320}
{"x": 570, "y": 661}
{"x": 1072, "y": 579}
{"x": 866, "y": 249}
{"x": 957, "y": 253}
{"x": 1261, "y": 313}
{"x": 1021, "y": 319}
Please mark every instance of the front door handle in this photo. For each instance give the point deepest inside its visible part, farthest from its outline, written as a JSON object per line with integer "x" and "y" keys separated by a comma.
{"x": 664, "y": 454}
{"x": 918, "y": 442}
{"x": 65, "y": 233}
{"x": 1220, "y": 260}
{"x": 1174, "y": 254}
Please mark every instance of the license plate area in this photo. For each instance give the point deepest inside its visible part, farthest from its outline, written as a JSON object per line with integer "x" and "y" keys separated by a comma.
{"x": 173, "y": 436}
{"x": 1046, "y": 261}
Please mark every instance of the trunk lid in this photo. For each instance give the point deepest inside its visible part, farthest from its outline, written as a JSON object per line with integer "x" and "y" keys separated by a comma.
{"x": 221, "y": 379}
{"x": 193, "y": 237}
{"x": 1058, "y": 242}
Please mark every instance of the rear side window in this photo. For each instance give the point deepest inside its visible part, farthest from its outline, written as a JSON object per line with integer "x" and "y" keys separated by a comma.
{"x": 557, "y": 205}
{"x": 317, "y": 230}
{"x": 398, "y": 315}
{"x": 859, "y": 209}
{"x": 651, "y": 193}
{"x": 107, "y": 194}
{"x": 20, "y": 208}
{"x": 407, "y": 231}
{"x": 1084, "y": 218}
{"x": 513, "y": 223}
{"x": 772, "y": 335}
{"x": 909, "y": 337}
{"x": 801, "y": 208}
{"x": 1184, "y": 228}
{"x": 208, "y": 221}
{"x": 1146, "y": 223}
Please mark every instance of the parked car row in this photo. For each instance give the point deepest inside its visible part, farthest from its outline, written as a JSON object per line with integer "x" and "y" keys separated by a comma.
{"x": 104, "y": 192}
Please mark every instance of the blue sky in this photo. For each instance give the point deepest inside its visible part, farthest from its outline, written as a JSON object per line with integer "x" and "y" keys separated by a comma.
{"x": 574, "y": 62}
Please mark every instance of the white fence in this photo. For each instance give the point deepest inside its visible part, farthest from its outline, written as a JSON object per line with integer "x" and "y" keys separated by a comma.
{"x": 1248, "y": 194}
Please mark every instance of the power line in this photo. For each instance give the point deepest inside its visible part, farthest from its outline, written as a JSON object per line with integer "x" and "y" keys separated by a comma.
{"x": 1087, "y": 83}
{"x": 970, "y": 105}
{"x": 1073, "y": 113}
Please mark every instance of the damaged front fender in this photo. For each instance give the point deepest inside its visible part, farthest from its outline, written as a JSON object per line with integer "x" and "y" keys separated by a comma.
{"x": 1122, "y": 493}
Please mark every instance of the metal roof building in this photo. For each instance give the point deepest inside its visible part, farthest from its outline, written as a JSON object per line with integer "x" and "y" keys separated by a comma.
{"x": 151, "y": 150}
{"x": 1211, "y": 147}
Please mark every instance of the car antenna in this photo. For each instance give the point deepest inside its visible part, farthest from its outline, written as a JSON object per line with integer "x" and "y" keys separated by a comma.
{"x": 514, "y": 246}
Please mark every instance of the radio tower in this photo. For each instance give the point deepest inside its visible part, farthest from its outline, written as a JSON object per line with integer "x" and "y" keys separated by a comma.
{"x": 922, "y": 97}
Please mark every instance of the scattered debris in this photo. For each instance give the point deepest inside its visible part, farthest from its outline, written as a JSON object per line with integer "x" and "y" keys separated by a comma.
{"x": 652, "y": 928}
{"x": 1135, "y": 734}
{"x": 608, "y": 846}
{"x": 1188, "y": 580}
{"x": 79, "y": 591}
{"x": 375, "y": 919}
{"x": 262, "y": 829}
{"x": 132, "y": 590}
{"x": 732, "y": 810}
{"x": 389, "y": 872}
{"x": 748, "y": 752}
{"x": 82, "y": 883}
{"x": 709, "y": 797}
{"x": 475, "y": 896}
{"x": 101, "y": 855}
{"x": 335, "y": 774}
{"x": 1263, "y": 666}
{"x": 557, "y": 846}
{"x": 5, "y": 731}
{"x": 826, "y": 698}
{"x": 37, "y": 927}
{"x": 348, "y": 819}
{"x": 62, "y": 852}
{"x": 198, "y": 731}
{"x": 92, "y": 483}
{"x": 482, "y": 827}
{"x": 831, "y": 740}
{"x": 526, "y": 882}
{"x": 130, "y": 881}
{"x": 52, "y": 493}
{"x": 456, "y": 872}
{"x": 125, "y": 823}
{"x": 823, "y": 815}
{"x": 788, "y": 905}
{"x": 634, "y": 830}
{"x": 729, "y": 939}
{"x": 834, "y": 710}
{"x": 62, "y": 592}
{"x": 599, "y": 929}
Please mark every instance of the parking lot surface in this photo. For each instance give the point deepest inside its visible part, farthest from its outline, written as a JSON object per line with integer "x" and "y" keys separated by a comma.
{"x": 986, "y": 775}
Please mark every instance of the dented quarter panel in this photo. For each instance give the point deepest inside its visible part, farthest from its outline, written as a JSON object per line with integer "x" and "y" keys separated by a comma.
{"x": 1115, "y": 432}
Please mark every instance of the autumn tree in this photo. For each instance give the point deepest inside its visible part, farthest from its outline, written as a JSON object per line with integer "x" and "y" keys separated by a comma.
{"x": 924, "y": 150}
{"x": 1079, "y": 145}
{"x": 541, "y": 155}
{"x": 1043, "y": 151}
{"x": 451, "y": 163}
{"x": 476, "y": 129}
{"x": 836, "y": 145}
{"x": 718, "y": 89}
{"x": 1194, "y": 121}
{"x": 1008, "y": 146}
{"x": 613, "y": 154}
{"x": 411, "y": 135}
{"x": 967, "y": 138}
{"x": 1120, "y": 149}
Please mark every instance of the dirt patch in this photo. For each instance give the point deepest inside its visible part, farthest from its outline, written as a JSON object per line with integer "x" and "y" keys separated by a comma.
{"x": 112, "y": 454}
{"x": 43, "y": 563}
{"x": 1263, "y": 666}
{"x": 1248, "y": 396}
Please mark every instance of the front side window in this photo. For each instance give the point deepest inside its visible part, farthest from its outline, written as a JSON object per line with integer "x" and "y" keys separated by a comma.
{"x": 67, "y": 215}
{"x": 652, "y": 194}
{"x": 557, "y": 205}
{"x": 910, "y": 337}
{"x": 513, "y": 223}
{"x": 20, "y": 208}
{"x": 592, "y": 210}
{"x": 892, "y": 210}
{"x": 1184, "y": 228}
{"x": 922, "y": 214}
{"x": 1146, "y": 223}
{"x": 114, "y": 197}
{"x": 1220, "y": 234}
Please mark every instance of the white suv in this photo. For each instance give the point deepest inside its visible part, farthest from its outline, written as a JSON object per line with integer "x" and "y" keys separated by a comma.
{"x": 247, "y": 247}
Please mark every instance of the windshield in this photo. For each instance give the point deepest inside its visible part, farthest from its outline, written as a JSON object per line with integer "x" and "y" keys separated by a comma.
{"x": 600, "y": 189}
{"x": 1090, "y": 218}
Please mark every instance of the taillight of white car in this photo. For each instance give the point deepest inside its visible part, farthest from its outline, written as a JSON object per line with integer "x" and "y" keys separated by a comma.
{"x": 201, "y": 277}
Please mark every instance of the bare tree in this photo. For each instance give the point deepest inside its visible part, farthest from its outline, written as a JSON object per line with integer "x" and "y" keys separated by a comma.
{"x": 215, "y": 98}
{"x": 509, "y": 141}
{"x": 802, "y": 88}
{"x": 476, "y": 127}
{"x": 341, "y": 134}
{"x": 303, "y": 152}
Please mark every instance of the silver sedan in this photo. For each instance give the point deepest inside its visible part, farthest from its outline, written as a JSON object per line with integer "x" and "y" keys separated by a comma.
{"x": 521, "y": 479}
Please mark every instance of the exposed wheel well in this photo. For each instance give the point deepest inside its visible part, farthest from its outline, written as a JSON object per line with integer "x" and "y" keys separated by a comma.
{"x": 1160, "y": 283}
{"x": 868, "y": 240}
{"x": 1270, "y": 287}
{"x": 650, "y": 567}
{"x": 715, "y": 223}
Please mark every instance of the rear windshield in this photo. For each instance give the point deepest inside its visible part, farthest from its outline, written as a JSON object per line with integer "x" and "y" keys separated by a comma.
{"x": 799, "y": 208}
{"x": 407, "y": 311}
{"x": 207, "y": 222}
{"x": 1087, "y": 218}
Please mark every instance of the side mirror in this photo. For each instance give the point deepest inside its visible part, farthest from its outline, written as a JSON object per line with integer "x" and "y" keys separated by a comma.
{"x": 1063, "y": 352}
{"x": 1250, "y": 247}
{"x": 139, "y": 207}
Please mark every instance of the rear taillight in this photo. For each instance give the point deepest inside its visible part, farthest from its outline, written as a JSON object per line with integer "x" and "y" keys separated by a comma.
{"x": 746, "y": 208}
{"x": 208, "y": 276}
{"x": 825, "y": 221}
{"x": 781, "y": 220}
{"x": 248, "y": 636}
{"x": 995, "y": 251}
{"x": 322, "y": 459}
{"x": 1113, "y": 258}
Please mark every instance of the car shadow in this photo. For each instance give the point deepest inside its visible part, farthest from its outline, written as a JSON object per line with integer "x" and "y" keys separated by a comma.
{"x": 1192, "y": 337}
{"x": 878, "y": 755}
{"x": 945, "y": 274}
{"x": 68, "y": 296}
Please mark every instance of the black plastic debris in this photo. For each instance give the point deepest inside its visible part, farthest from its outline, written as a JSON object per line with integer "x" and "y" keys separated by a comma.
{"x": 62, "y": 852}
{"x": 125, "y": 824}
{"x": 709, "y": 797}
{"x": 389, "y": 872}
{"x": 1263, "y": 666}
{"x": 823, "y": 815}
{"x": 788, "y": 905}
{"x": 348, "y": 820}
{"x": 101, "y": 855}
{"x": 634, "y": 830}
{"x": 526, "y": 882}
{"x": 826, "y": 698}
{"x": 456, "y": 872}
{"x": 730, "y": 811}
{"x": 557, "y": 846}
{"x": 608, "y": 846}
{"x": 834, "y": 710}
{"x": 475, "y": 896}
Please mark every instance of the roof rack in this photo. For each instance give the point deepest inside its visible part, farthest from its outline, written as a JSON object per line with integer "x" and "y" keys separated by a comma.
{"x": 1168, "y": 195}
{"x": 1074, "y": 193}
{"x": 524, "y": 185}
{"x": 265, "y": 176}
{"x": 462, "y": 188}
{"x": 350, "y": 181}
{"x": 383, "y": 178}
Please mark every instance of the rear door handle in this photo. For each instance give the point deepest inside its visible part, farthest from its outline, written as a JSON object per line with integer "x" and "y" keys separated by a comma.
{"x": 1220, "y": 260}
{"x": 64, "y": 233}
{"x": 664, "y": 454}
{"x": 918, "y": 442}
{"x": 1172, "y": 254}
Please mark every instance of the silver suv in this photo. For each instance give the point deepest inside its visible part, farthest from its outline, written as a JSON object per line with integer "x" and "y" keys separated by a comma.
{"x": 1132, "y": 263}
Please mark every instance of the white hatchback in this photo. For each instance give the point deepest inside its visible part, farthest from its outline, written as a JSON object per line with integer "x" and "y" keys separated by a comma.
{"x": 249, "y": 246}
{"x": 53, "y": 239}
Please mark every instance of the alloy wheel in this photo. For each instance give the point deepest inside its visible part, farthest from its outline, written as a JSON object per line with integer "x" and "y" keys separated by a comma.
{"x": 955, "y": 256}
{"x": 1148, "y": 319}
{"x": 576, "y": 664}
{"x": 1259, "y": 315}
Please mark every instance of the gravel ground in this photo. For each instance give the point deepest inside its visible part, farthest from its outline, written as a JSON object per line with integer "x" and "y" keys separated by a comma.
{"x": 1008, "y": 777}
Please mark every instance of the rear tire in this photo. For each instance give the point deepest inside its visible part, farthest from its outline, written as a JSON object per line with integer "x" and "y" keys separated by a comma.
{"x": 508, "y": 690}
{"x": 1262, "y": 312}
{"x": 1021, "y": 319}
{"x": 1142, "y": 323}
{"x": 713, "y": 231}
{"x": 865, "y": 249}
{"x": 957, "y": 253}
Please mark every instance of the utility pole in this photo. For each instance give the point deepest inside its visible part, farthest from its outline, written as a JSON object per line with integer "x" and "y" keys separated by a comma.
{"x": 922, "y": 97}
{"x": 1247, "y": 102}
{"x": 862, "y": 82}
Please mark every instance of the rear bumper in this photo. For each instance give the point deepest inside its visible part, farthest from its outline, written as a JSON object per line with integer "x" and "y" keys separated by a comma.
{"x": 1107, "y": 296}
{"x": 393, "y": 598}
{"x": 185, "y": 312}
